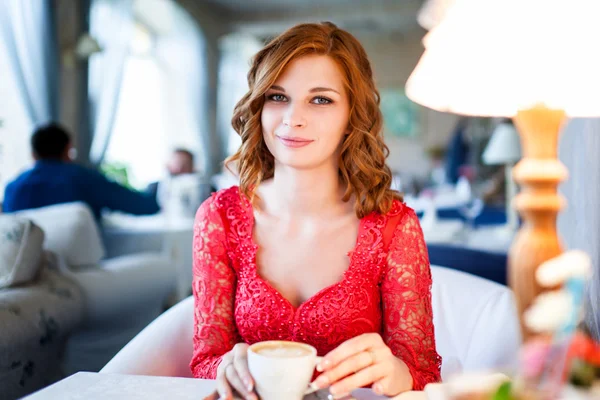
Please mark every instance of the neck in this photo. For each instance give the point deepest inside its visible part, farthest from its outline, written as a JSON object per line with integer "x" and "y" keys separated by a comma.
{"x": 309, "y": 193}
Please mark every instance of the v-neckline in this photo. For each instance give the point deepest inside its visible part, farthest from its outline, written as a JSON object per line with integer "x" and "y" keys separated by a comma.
{"x": 250, "y": 221}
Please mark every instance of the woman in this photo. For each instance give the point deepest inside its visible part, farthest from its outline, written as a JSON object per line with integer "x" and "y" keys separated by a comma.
{"x": 313, "y": 246}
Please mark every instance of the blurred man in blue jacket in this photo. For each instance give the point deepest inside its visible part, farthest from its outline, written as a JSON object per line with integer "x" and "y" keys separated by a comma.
{"x": 55, "y": 179}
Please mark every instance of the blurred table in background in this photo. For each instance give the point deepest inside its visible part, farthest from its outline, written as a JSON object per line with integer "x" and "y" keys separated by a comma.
{"x": 493, "y": 238}
{"x": 481, "y": 251}
{"x": 127, "y": 234}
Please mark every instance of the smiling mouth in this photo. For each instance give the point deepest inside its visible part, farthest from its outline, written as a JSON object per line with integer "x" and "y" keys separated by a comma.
{"x": 292, "y": 139}
{"x": 294, "y": 142}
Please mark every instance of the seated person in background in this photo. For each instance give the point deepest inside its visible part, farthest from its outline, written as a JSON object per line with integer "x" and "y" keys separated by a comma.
{"x": 313, "y": 246}
{"x": 184, "y": 189}
{"x": 494, "y": 191}
{"x": 180, "y": 163}
{"x": 55, "y": 179}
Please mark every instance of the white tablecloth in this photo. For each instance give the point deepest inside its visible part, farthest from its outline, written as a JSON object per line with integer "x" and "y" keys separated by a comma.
{"x": 495, "y": 238}
{"x": 95, "y": 386}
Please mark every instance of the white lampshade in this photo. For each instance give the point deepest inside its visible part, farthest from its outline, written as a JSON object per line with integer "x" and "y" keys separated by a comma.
{"x": 504, "y": 147}
{"x": 495, "y": 57}
{"x": 432, "y": 12}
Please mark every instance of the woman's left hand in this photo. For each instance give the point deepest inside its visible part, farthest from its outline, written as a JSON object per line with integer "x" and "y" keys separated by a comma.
{"x": 364, "y": 361}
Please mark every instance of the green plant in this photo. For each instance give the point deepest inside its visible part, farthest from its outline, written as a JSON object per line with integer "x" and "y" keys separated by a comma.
{"x": 504, "y": 392}
{"x": 117, "y": 172}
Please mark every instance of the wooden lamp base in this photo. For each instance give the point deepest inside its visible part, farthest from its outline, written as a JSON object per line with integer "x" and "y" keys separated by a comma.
{"x": 539, "y": 174}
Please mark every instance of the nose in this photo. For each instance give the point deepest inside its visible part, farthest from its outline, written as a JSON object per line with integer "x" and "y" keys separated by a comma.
{"x": 294, "y": 117}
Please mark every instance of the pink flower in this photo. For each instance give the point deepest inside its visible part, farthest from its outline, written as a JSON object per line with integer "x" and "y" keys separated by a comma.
{"x": 533, "y": 356}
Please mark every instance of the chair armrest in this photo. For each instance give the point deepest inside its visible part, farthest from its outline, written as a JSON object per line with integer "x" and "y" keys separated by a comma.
{"x": 163, "y": 348}
{"x": 125, "y": 284}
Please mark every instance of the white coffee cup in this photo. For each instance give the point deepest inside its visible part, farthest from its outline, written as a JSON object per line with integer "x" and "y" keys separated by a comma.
{"x": 281, "y": 369}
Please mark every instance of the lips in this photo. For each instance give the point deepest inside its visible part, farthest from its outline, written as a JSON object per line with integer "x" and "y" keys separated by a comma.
{"x": 294, "y": 142}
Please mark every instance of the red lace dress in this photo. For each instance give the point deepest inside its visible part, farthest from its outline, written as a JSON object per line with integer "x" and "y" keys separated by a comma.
{"x": 386, "y": 289}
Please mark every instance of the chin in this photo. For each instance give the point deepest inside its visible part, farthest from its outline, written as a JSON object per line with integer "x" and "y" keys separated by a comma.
{"x": 300, "y": 163}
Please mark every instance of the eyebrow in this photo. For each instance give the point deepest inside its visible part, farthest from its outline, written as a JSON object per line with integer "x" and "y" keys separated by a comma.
{"x": 313, "y": 90}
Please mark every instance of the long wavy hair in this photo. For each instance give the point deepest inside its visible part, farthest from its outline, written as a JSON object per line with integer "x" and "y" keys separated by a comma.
{"x": 362, "y": 166}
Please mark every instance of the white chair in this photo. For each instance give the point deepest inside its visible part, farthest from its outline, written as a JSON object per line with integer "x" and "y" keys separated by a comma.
{"x": 164, "y": 348}
{"x": 476, "y": 328}
{"x": 476, "y": 322}
{"x": 122, "y": 294}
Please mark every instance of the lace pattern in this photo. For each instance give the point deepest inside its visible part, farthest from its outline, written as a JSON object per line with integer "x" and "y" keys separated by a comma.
{"x": 387, "y": 291}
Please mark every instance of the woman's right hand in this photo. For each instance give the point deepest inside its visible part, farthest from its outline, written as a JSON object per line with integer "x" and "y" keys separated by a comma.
{"x": 233, "y": 376}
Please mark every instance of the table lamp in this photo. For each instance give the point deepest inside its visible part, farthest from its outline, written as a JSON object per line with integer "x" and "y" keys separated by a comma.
{"x": 535, "y": 61}
{"x": 432, "y": 12}
{"x": 504, "y": 148}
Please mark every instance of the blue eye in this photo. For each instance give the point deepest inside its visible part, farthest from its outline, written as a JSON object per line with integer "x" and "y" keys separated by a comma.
{"x": 321, "y": 100}
{"x": 276, "y": 97}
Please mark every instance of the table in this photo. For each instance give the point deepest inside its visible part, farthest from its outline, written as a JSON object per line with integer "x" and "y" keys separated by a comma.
{"x": 96, "y": 386}
{"x": 495, "y": 239}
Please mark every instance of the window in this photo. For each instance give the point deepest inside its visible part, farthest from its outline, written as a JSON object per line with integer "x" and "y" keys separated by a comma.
{"x": 15, "y": 128}
{"x": 161, "y": 100}
{"x": 237, "y": 51}
{"x": 137, "y": 141}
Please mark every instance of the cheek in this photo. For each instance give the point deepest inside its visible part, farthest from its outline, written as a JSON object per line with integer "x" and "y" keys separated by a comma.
{"x": 269, "y": 119}
{"x": 337, "y": 124}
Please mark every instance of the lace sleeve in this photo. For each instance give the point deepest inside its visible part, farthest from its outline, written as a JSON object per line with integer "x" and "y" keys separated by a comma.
{"x": 406, "y": 296}
{"x": 213, "y": 286}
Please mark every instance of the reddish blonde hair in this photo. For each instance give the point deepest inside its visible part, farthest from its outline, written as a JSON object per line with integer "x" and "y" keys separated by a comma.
{"x": 362, "y": 161}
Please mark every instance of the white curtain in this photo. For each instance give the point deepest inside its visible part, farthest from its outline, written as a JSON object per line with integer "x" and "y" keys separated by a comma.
{"x": 579, "y": 223}
{"x": 111, "y": 24}
{"x": 28, "y": 80}
{"x": 30, "y": 47}
{"x": 181, "y": 56}
{"x": 237, "y": 51}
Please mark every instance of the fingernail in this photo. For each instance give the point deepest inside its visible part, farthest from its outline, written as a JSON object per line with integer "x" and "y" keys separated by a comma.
{"x": 333, "y": 390}
{"x": 377, "y": 388}
{"x": 321, "y": 382}
{"x": 322, "y": 365}
{"x": 248, "y": 384}
{"x": 340, "y": 396}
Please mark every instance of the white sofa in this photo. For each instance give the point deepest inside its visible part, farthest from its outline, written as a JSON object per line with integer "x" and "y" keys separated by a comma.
{"x": 40, "y": 308}
{"x": 121, "y": 295}
{"x": 476, "y": 328}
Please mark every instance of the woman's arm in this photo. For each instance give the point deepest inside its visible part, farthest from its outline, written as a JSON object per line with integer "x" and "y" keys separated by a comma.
{"x": 214, "y": 285}
{"x": 406, "y": 296}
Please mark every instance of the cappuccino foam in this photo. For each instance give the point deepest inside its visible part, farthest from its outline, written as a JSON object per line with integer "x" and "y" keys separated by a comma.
{"x": 282, "y": 351}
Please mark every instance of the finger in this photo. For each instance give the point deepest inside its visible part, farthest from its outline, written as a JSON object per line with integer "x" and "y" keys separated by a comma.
{"x": 391, "y": 383}
{"x": 223, "y": 388}
{"x": 213, "y": 396}
{"x": 234, "y": 380}
{"x": 382, "y": 386}
{"x": 240, "y": 362}
{"x": 349, "y": 366}
{"x": 349, "y": 348}
{"x": 364, "y": 377}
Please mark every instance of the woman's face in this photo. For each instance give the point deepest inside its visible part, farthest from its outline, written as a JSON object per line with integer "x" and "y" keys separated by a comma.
{"x": 305, "y": 114}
